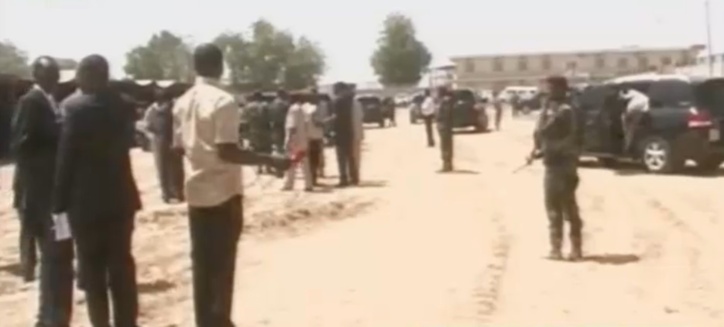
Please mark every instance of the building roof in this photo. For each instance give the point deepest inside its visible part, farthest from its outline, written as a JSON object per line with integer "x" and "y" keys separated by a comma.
{"x": 628, "y": 49}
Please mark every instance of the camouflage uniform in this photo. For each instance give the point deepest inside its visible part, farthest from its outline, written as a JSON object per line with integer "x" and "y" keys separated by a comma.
{"x": 259, "y": 127}
{"x": 444, "y": 120}
{"x": 556, "y": 138}
{"x": 278, "y": 112}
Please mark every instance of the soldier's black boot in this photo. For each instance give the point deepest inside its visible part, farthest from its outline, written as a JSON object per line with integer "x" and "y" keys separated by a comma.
{"x": 556, "y": 245}
{"x": 576, "y": 249}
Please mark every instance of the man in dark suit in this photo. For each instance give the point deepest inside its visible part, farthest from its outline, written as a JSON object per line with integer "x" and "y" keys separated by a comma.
{"x": 342, "y": 106}
{"x": 95, "y": 188}
{"x": 35, "y": 139}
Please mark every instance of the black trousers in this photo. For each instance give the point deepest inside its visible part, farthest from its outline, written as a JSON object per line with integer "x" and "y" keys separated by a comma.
{"x": 346, "y": 163}
{"x": 56, "y": 267}
{"x": 316, "y": 151}
{"x": 446, "y": 147}
{"x": 170, "y": 168}
{"x": 428, "y": 130}
{"x": 560, "y": 186}
{"x": 104, "y": 245}
{"x": 215, "y": 232}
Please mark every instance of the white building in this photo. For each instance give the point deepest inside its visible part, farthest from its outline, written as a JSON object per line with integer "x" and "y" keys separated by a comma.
{"x": 702, "y": 68}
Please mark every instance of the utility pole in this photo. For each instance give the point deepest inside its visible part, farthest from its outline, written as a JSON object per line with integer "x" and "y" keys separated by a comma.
{"x": 710, "y": 58}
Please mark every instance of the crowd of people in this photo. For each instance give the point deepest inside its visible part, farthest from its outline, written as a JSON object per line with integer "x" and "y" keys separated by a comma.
{"x": 76, "y": 195}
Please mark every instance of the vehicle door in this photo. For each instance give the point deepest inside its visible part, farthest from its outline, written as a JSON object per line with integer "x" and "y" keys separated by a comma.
{"x": 464, "y": 113}
{"x": 669, "y": 104}
{"x": 591, "y": 105}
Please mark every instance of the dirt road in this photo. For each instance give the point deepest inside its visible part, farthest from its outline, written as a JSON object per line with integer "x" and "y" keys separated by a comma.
{"x": 416, "y": 248}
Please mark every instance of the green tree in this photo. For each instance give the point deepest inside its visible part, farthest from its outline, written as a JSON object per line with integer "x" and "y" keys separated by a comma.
{"x": 13, "y": 60}
{"x": 165, "y": 56}
{"x": 400, "y": 58}
{"x": 270, "y": 57}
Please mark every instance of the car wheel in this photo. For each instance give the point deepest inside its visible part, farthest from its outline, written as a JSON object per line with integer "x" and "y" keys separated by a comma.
{"x": 710, "y": 163}
{"x": 658, "y": 156}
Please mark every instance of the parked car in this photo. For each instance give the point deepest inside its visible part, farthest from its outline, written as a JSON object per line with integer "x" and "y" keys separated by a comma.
{"x": 684, "y": 122}
{"x": 466, "y": 113}
{"x": 373, "y": 111}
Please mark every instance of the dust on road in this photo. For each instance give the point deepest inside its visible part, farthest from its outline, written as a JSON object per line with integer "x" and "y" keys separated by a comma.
{"x": 416, "y": 248}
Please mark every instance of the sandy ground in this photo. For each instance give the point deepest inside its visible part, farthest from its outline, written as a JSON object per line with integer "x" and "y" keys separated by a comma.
{"x": 416, "y": 248}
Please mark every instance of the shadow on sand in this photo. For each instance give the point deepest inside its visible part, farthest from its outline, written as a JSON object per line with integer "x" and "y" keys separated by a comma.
{"x": 612, "y": 259}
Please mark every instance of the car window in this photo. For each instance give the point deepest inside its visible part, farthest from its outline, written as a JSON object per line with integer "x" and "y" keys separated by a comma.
{"x": 669, "y": 93}
{"x": 593, "y": 97}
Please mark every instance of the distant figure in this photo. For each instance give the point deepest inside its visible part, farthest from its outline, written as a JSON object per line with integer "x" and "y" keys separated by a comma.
{"x": 428, "y": 115}
{"x": 636, "y": 108}
{"x": 279, "y": 110}
{"x": 345, "y": 134}
{"x": 259, "y": 119}
{"x": 96, "y": 190}
{"x": 498, "y": 109}
{"x": 297, "y": 143}
{"x": 36, "y": 131}
{"x": 316, "y": 114}
{"x": 388, "y": 106}
{"x": 445, "y": 127}
{"x": 515, "y": 104}
{"x": 207, "y": 131}
{"x": 169, "y": 163}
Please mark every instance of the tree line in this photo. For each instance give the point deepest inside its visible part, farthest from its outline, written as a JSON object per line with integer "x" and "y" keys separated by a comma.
{"x": 266, "y": 57}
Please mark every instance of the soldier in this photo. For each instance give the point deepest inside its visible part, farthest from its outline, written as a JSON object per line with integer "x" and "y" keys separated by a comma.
{"x": 557, "y": 143}
{"x": 279, "y": 109}
{"x": 259, "y": 121}
{"x": 169, "y": 164}
{"x": 444, "y": 120}
{"x": 498, "y": 108}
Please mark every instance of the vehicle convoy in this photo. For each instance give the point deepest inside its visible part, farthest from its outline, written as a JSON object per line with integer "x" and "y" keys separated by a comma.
{"x": 684, "y": 122}
{"x": 373, "y": 111}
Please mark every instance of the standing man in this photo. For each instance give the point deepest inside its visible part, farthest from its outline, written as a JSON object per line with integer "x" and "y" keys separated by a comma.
{"x": 96, "y": 191}
{"x": 445, "y": 127}
{"x": 207, "y": 130}
{"x": 637, "y": 106}
{"x": 358, "y": 134}
{"x": 428, "y": 116}
{"x": 36, "y": 129}
{"x": 279, "y": 110}
{"x": 344, "y": 134}
{"x": 260, "y": 127}
{"x": 498, "y": 108}
{"x": 316, "y": 115}
{"x": 557, "y": 143}
{"x": 169, "y": 163}
{"x": 297, "y": 143}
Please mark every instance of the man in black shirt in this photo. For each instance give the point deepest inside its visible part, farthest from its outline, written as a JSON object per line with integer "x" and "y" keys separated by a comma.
{"x": 344, "y": 137}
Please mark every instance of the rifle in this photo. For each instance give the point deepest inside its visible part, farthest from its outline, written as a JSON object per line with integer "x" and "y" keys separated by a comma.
{"x": 521, "y": 167}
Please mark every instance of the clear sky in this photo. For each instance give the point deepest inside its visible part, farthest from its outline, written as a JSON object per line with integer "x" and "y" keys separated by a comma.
{"x": 347, "y": 30}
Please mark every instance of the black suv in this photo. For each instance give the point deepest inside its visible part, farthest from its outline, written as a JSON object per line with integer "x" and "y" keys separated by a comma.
{"x": 683, "y": 123}
{"x": 466, "y": 113}
{"x": 372, "y": 110}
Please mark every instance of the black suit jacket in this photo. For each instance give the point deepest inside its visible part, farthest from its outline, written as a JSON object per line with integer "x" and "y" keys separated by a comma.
{"x": 94, "y": 178}
{"x": 34, "y": 141}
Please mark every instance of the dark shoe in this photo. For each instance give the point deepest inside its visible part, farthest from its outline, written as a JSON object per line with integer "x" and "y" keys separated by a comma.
{"x": 555, "y": 255}
{"x": 343, "y": 184}
{"x": 575, "y": 255}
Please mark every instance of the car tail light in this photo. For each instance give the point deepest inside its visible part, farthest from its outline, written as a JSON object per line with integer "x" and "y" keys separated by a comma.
{"x": 698, "y": 118}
